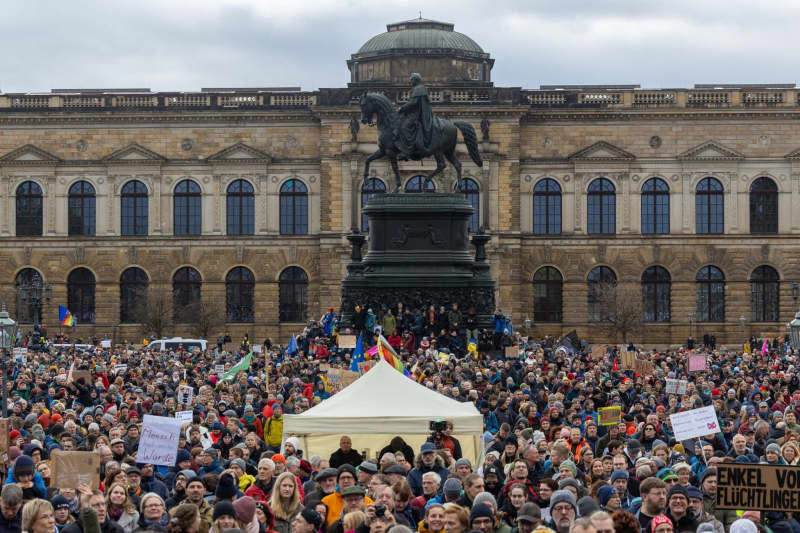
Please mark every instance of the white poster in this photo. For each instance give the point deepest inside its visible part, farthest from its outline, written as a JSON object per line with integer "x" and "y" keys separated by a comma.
{"x": 120, "y": 368}
{"x": 105, "y": 343}
{"x": 185, "y": 395}
{"x": 158, "y": 444}
{"x": 219, "y": 369}
{"x": 256, "y": 348}
{"x": 184, "y": 416}
{"x": 676, "y": 386}
{"x": 695, "y": 423}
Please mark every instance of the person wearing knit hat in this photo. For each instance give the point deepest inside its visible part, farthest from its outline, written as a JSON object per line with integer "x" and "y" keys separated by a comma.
{"x": 708, "y": 481}
{"x": 563, "y": 510}
{"x": 23, "y": 472}
{"x": 678, "y": 509}
{"x": 224, "y": 515}
{"x": 661, "y": 524}
{"x": 226, "y": 488}
{"x": 567, "y": 468}
{"x": 707, "y": 527}
{"x": 571, "y": 484}
{"x": 463, "y": 468}
{"x": 452, "y": 489}
{"x": 245, "y": 508}
{"x": 773, "y": 454}
{"x": 587, "y": 505}
{"x": 608, "y": 498}
{"x": 481, "y": 518}
{"x": 308, "y": 521}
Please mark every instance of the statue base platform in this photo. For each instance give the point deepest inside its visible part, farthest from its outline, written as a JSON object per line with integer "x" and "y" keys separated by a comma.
{"x": 419, "y": 254}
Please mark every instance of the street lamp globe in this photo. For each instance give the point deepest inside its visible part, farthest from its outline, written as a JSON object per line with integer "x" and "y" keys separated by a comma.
{"x": 794, "y": 331}
{"x": 8, "y": 328}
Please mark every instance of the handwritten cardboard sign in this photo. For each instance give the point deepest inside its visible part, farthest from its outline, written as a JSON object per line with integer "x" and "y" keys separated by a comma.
{"x": 347, "y": 341}
{"x": 697, "y": 363}
{"x": 348, "y": 377}
{"x": 695, "y": 423}
{"x": 598, "y": 351}
{"x": 676, "y": 386}
{"x": 759, "y": 487}
{"x": 626, "y": 360}
{"x": 68, "y": 469}
{"x": 512, "y": 352}
{"x": 3, "y": 436}
{"x": 158, "y": 444}
{"x": 610, "y": 415}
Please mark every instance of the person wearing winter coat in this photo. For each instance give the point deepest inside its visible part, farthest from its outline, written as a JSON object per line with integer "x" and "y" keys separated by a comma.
{"x": 92, "y": 513}
{"x": 426, "y": 461}
{"x": 31, "y": 483}
{"x": 285, "y": 502}
{"x": 121, "y": 509}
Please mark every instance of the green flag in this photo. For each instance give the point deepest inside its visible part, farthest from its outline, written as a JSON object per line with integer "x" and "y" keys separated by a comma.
{"x": 244, "y": 364}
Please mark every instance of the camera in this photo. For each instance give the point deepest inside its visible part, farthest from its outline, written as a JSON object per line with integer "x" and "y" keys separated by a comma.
{"x": 380, "y": 510}
{"x": 437, "y": 426}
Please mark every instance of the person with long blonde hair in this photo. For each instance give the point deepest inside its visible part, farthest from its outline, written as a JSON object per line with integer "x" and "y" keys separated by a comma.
{"x": 121, "y": 508}
{"x": 38, "y": 517}
{"x": 285, "y": 501}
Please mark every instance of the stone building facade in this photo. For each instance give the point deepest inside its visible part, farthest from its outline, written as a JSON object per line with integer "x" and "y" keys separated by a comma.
{"x": 716, "y": 170}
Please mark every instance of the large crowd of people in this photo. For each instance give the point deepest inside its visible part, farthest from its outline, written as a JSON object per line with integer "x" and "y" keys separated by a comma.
{"x": 551, "y": 464}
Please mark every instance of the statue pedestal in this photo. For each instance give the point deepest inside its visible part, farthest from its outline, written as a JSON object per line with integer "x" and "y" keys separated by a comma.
{"x": 419, "y": 254}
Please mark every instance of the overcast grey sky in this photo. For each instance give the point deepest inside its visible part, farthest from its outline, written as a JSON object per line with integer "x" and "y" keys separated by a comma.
{"x": 183, "y": 45}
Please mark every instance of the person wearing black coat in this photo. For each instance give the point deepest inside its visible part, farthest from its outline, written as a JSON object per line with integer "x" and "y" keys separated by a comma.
{"x": 399, "y": 445}
{"x": 87, "y": 522}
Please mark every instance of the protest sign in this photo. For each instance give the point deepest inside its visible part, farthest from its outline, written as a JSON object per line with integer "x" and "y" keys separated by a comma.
{"x": 333, "y": 379}
{"x": 610, "y": 415}
{"x": 348, "y": 377}
{"x": 219, "y": 369}
{"x": 184, "y": 416}
{"x": 697, "y": 363}
{"x": 324, "y": 367}
{"x": 598, "y": 351}
{"x": 694, "y": 423}
{"x": 85, "y": 375}
{"x": 69, "y": 469}
{"x": 105, "y": 343}
{"x": 3, "y": 436}
{"x": 19, "y": 352}
{"x": 627, "y": 360}
{"x": 759, "y": 487}
{"x": 676, "y": 386}
{"x": 158, "y": 444}
{"x": 642, "y": 366}
{"x": 256, "y": 348}
{"x": 347, "y": 341}
{"x": 120, "y": 368}
{"x": 512, "y": 352}
{"x": 185, "y": 394}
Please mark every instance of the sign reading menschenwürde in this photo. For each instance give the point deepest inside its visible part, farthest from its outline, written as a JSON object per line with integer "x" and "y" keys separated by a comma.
{"x": 758, "y": 487}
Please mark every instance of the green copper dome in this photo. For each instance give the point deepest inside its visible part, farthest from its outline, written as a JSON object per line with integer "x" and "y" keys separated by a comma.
{"x": 420, "y": 33}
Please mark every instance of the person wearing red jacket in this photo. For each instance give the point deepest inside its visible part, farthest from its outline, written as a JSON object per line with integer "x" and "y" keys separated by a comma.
{"x": 395, "y": 340}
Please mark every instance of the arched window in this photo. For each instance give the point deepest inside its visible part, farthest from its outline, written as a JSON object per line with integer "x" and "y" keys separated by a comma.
{"x": 547, "y": 285}
{"x": 764, "y": 291}
{"x": 547, "y": 207}
{"x": 293, "y": 284}
{"x": 187, "y": 208}
{"x": 81, "y": 219}
{"x": 132, "y": 295}
{"x": 472, "y": 192}
{"x": 656, "y": 283}
{"x": 416, "y": 183}
{"x": 186, "y": 284}
{"x": 763, "y": 206}
{"x": 134, "y": 205}
{"x": 241, "y": 208}
{"x": 240, "y": 298}
{"x": 80, "y": 295}
{"x": 602, "y": 207}
{"x": 294, "y": 208}
{"x": 655, "y": 206}
{"x": 709, "y": 207}
{"x": 372, "y": 187}
{"x": 601, "y": 283}
{"x": 29, "y": 209}
{"x": 28, "y": 284}
{"x": 710, "y": 295}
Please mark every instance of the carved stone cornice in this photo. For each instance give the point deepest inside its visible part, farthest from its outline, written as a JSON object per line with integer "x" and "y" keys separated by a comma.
{"x": 134, "y": 154}
{"x": 240, "y": 154}
{"x": 710, "y": 151}
{"x": 29, "y": 155}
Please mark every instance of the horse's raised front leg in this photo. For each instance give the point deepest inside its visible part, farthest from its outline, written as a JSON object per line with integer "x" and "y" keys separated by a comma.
{"x": 396, "y": 169}
{"x": 440, "y": 164}
{"x": 377, "y": 155}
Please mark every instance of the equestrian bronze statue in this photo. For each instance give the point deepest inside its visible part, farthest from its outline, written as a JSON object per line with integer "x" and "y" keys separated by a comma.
{"x": 413, "y": 132}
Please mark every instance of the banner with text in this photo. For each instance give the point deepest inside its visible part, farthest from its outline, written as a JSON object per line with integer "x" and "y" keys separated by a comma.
{"x": 158, "y": 444}
{"x": 758, "y": 487}
{"x": 694, "y": 423}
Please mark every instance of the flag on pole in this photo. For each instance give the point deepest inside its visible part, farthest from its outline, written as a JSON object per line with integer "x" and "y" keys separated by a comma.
{"x": 65, "y": 318}
{"x": 292, "y": 347}
{"x": 358, "y": 355}
{"x": 373, "y": 351}
{"x": 388, "y": 354}
{"x": 765, "y": 347}
{"x": 244, "y": 364}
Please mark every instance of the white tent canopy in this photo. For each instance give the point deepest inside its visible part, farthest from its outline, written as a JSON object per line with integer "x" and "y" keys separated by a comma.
{"x": 382, "y": 404}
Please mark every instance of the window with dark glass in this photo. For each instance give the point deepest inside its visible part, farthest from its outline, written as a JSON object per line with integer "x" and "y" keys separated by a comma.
{"x": 764, "y": 291}
{"x": 241, "y": 208}
{"x": 655, "y": 206}
{"x": 186, "y": 285}
{"x": 132, "y": 295}
{"x": 763, "y": 206}
{"x": 656, "y": 283}
{"x": 240, "y": 295}
{"x": 372, "y": 187}
{"x": 28, "y": 285}
{"x": 416, "y": 183}
{"x": 293, "y": 286}
{"x": 294, "y": 208}
{"x": 80, "y": 295}
{"x": 547, "y": 207}
{"x": 547, "y": 286}
{"x": 472, "y": 192}
{"x": 710, "y": 295}
{"x": 602, "y": 207}
{"x": 81, "y": 216}
{"x": 187, "y": 208}
{"x": 134, "y": 206}
{"x": 29, "y": 209}
{"x": 601, "y": 281}
{"x": 709, "y": 206}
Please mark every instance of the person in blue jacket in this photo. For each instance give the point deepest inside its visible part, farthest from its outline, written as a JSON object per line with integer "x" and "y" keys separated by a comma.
{"x": 30, "y": 481}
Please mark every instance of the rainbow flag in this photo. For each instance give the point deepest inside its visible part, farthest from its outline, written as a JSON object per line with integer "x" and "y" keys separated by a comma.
{"x": 65, "y": 318}
{"x": 390, "y": 356}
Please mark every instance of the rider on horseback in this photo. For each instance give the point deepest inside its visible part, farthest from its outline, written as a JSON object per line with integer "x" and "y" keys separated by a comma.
{"x": 415, "y": 132}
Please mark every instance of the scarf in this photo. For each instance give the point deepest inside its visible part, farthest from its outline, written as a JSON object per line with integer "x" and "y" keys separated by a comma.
{"x": 115, "y": 512}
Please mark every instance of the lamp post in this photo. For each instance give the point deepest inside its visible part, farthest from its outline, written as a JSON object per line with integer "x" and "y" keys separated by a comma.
{"x": 7, "y": 336}
{"x": 795, "y": 292}
{"x": 528, "y": 323}
{"x": 793, "y": 327}
{"x": 35, "y": 295}
{"x": 741, "y": 323}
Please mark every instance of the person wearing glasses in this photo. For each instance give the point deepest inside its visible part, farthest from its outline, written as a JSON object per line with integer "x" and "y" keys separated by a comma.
{"x": 92, "y": 499}
{"x": 152, "y": 513}
{"x": 563, "y": 510}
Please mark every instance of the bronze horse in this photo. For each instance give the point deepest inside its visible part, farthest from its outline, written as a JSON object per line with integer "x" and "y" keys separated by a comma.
{"x": 375, "y": 104}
